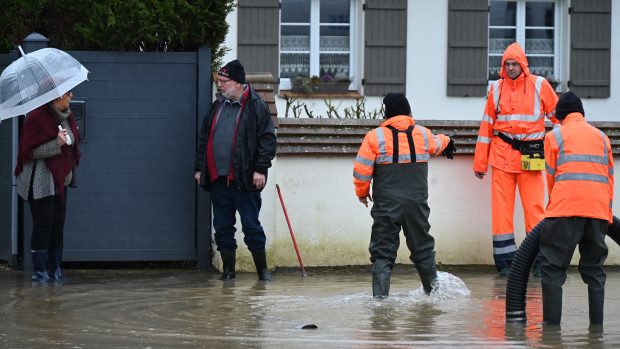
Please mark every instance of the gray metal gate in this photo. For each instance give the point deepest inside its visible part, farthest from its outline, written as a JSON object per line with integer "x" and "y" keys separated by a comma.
{"x": 6, "y": 180}
{"x": 136, "y": 198}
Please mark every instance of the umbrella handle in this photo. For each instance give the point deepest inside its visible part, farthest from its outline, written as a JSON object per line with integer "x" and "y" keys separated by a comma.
{"x": 21, "y": 50}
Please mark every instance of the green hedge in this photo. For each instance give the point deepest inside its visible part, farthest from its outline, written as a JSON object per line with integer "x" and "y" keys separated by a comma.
{"x": 118, "y": 25}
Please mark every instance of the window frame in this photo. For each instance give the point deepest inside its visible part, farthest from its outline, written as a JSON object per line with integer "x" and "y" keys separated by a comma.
{"x": 315, "y": 34}
{"x": 520, "y": 33}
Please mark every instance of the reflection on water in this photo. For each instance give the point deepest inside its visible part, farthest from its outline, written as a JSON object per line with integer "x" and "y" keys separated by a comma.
{"x": 192, "y": 309}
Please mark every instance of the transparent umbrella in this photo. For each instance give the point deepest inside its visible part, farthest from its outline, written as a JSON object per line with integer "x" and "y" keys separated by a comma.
{"x": 37, "y": 78}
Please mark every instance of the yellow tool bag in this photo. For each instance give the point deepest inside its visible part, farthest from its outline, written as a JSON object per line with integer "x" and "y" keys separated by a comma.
{"x": 533, "y": 162}
{"x": 532, "y": 155}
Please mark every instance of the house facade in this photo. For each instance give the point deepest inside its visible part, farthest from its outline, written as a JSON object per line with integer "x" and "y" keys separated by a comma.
{"x": 442, "y": 54}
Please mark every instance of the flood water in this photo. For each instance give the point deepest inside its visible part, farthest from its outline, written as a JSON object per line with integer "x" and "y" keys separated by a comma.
{"x": 190, "y": 308}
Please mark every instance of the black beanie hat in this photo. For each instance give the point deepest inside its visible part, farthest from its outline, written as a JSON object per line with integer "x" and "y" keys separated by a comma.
{"x": 568, "y": 103}
{"x": 234, "y": 71}
{"x": 396, "y": 104}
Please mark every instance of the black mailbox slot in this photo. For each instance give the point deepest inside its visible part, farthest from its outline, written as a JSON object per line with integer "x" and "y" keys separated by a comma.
{"x": 78, "y": 108}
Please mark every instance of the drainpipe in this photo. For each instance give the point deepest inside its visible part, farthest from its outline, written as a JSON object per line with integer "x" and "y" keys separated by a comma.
{"x": 14, "y": 261}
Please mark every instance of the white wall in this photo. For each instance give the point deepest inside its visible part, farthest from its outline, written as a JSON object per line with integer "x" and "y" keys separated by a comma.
{"x": 318, "y": 106}
{"x": 607, "y": 109}
{"x": 427, "y": 62}
{"x": 332, "y": 228}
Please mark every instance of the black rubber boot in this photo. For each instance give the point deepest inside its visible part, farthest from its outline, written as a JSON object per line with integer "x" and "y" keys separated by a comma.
{"x": 260, "y": 261}
{"x": 596, "y": 301}
{"x": 39, "y": 266}
{"x": 381, "y": 270}
{"x": 55, "y": 261}
{"x": 428, "y": 272}
{"x": 552, "y": 308}
{"x": 229, "y": 258}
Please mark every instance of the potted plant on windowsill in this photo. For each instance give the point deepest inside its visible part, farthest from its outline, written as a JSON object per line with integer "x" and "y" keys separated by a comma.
{"x": 326, "y": 84}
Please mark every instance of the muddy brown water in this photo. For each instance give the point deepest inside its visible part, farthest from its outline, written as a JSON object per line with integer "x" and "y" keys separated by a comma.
{"x": 190, "y": 308}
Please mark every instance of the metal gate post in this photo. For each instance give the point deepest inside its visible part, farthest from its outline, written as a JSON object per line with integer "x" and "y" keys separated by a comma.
{"x": 32, "y": 42}
{"x": 203, "y": 198}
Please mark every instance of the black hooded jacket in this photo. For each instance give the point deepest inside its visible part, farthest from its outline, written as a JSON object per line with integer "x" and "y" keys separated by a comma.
{"x": 255, "y": 146}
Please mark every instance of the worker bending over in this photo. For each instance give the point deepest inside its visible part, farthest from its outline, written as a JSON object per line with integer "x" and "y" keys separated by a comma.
{"x": 394, "y": 157}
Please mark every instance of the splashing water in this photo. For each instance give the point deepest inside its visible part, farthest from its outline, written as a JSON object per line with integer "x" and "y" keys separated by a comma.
{"x": 446, "y": 286}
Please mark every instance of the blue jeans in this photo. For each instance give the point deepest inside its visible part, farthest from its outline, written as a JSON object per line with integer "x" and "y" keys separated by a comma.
{"x": 227, "y": 200}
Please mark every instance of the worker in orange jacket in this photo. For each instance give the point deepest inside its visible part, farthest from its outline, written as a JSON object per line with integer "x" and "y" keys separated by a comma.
{"x": 513, "y": 125}
{"x": 394, "y": 157}
{"x": 580, "y": 180}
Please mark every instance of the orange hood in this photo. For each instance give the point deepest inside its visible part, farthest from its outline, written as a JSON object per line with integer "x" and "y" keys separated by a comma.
{"x": 514, "y": 51}
{"x": 399, "y": 122}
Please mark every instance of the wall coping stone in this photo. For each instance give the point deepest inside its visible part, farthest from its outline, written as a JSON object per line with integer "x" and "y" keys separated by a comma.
{"x": 324, "y": 136}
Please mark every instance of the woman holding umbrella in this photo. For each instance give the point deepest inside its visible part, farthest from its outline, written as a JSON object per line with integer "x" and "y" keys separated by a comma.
{"x": 39, "y": 84}
{"x": 48, "y": 153}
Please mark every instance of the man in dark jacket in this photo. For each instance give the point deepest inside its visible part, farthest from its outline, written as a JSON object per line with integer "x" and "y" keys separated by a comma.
{"x": 236, "y": 145}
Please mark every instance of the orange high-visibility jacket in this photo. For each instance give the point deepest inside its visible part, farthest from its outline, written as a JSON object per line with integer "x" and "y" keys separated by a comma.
{"x": 580, "y": 170}
{"x": 377, "y": 148}
{"x": 516, "y": 108}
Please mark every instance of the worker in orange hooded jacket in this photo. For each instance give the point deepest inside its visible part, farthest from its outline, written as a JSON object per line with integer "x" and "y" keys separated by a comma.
{"x": 513, "y": 123}
{"x": 394, "y": 157}
{"x": 580, "y": 180}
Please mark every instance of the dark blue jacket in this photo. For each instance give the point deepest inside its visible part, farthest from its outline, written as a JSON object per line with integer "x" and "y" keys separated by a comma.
{"x": 255, "y": 146}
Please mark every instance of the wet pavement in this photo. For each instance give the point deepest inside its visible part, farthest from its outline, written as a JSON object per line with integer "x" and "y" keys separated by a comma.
{"x": 190, "y": 308}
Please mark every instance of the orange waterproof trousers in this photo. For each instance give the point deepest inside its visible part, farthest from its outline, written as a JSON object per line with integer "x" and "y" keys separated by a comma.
{"x": 532, "y": 191}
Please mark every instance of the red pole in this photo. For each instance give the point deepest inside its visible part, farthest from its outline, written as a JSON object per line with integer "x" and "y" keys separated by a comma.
{"x": 290, "y": 229}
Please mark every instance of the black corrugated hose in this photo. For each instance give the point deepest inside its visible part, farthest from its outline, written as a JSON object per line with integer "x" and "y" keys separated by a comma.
{"x": 516, "y": 287}
{"x": 614, "y": 230}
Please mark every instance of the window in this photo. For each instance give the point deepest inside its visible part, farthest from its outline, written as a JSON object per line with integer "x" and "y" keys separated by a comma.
{"x": 315, "y": 39}
{"x": 533, "y": 25}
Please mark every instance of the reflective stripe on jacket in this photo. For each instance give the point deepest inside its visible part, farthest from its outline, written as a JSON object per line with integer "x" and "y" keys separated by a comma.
{"x": 580, "y": 170}
{"x": 518, "y": 109}
{"x": 378, "y": 148}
